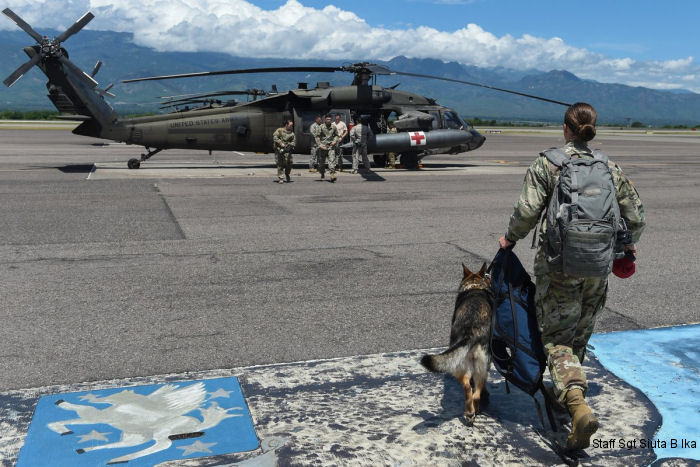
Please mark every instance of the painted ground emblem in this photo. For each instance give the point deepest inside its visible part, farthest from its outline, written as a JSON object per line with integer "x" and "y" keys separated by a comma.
{"x": 140, "y": 425}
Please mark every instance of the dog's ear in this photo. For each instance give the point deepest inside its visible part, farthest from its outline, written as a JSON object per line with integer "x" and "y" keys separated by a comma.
{"x": 467, "y": 272}
{"x": 482, "y": 271}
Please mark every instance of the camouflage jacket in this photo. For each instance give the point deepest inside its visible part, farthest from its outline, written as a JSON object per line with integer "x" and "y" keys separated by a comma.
{"x": 327, "y": 135}
{"x": 539, "y": 184}
{"x": 283, "y": 139}
{"x": 314, "y": 129}
{"x": 360, "y": 134}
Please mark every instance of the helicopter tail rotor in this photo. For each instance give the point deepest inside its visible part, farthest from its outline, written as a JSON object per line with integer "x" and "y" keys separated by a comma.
{"x": 47, "y": 49}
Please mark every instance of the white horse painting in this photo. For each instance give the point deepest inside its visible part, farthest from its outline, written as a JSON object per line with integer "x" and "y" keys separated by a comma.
{"x": 159, "y": 416}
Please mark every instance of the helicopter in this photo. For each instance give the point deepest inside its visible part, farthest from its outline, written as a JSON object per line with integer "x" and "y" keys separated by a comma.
{"x": 207, "y": 122}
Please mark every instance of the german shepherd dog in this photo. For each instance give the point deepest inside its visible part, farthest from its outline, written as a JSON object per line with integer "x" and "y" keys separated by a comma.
{"x": 468, "y": 357}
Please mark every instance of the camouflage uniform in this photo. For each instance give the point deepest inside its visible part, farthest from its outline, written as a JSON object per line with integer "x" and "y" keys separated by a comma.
{"x": 359, "y": 135}
{"x": 391, "y": 156}
{"x": 283, "y": 141}
{"x": 567, "y": 306}
{"x": 327, "y": 135}
{"x": 342, "y": 133}
{"x": 314, "y": 129}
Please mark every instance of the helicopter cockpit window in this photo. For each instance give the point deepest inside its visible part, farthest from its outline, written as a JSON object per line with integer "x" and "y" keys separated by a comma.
{"x": 451, "y": 120}
{"x": 436, "y": 119}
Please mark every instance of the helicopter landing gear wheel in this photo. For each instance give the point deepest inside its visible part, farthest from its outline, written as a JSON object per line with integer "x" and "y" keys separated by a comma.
{"x": 136, "y": 163}
{"x": 379, "y": 160}
{"x": 410, "y": 161}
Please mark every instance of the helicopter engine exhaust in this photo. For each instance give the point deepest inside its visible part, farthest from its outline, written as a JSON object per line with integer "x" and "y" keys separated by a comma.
{"x": 411, "y": 141}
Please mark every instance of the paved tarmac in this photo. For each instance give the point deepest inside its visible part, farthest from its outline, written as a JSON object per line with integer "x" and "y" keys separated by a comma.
{"x": 199, "y": 262}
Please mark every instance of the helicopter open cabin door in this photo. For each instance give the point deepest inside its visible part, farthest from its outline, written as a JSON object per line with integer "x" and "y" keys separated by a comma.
{"x": 302, "y": 127}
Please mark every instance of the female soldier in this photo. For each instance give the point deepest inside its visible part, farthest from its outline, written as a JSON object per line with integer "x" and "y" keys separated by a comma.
{"x": 566, "y": 306}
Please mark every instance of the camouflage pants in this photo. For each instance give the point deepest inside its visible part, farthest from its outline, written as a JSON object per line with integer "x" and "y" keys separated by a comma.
{"x": 566, "y": 311}
{"x": 360, "y": 151}
{"x": 312, "y": 159}
{"x": 391, "y": 159}
{"x": 326, "y": 156}
{"x": 339, "y": 157}
{"x": 284, "y": 164}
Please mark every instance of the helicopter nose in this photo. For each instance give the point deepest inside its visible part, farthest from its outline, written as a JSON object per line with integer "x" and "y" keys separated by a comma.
{"x": 476, "y": 141}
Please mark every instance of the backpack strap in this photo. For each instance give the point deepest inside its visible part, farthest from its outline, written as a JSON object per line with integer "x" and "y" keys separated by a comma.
{"x": 559, "y": 158}
{"x": 600, "y": 155}
{"x": 556, "y": 156}
{"x": 548, "y": 407}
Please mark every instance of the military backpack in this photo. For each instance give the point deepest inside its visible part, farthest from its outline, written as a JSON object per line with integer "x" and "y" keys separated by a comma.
{"x": 582, "y": 216}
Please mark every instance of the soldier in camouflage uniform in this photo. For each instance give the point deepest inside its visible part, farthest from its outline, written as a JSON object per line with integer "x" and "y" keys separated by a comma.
{"x": 326, "y": 140}
{"x": 567, "y": 306}
{"x": 391, "y": 156}
{"x": 359, "y": 135}
{"x": 283, "y": 141}
{"x": 314, "y": 129}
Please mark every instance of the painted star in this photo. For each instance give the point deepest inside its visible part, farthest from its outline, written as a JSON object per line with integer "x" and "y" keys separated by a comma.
{"x": 94, "y": 435}
{"x": 197, "y": 446}
{"x": 220, "y": 393}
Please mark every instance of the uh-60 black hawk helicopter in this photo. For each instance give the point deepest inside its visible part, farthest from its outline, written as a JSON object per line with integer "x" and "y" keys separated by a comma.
{"x": 424, "y": 127}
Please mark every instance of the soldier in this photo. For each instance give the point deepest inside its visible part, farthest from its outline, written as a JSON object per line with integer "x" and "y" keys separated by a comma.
{"x": 391, "y": 157}
{"x": 567, "y": 306}
{"x": 314, "y": 129}
{"x": 359, "y": 135}
{"x": 342, "y": 133}
{"x": 284, "y": 142}
{"x": 326, "y": 141}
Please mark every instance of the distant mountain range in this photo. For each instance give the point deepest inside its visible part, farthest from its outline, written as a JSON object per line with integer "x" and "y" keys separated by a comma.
{"x": 616, "y": 103}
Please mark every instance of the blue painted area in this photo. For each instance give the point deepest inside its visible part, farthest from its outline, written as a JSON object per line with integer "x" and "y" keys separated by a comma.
{"x": 665, "y": 365}
{"x": 173, "y": 421}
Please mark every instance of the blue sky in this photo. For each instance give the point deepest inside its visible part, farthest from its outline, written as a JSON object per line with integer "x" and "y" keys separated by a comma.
{"x": 638, "y": 43}
{"x": 641, "y": 29}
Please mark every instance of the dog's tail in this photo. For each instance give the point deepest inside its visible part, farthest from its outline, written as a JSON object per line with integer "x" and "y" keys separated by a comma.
{"x": 446, "y": 362}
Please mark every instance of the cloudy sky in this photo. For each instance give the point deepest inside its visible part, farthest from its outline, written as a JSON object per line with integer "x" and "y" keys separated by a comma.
{"x": 636, "y": 42}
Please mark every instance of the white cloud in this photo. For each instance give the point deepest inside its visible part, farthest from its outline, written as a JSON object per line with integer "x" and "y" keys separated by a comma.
{"x": 293, "y": 30}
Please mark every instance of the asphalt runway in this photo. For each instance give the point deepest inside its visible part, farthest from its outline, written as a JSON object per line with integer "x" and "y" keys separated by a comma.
{"x": 199, "y": 262}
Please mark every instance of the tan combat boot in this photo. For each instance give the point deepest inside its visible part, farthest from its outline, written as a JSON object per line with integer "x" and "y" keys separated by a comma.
{"x": 583, "y": 422}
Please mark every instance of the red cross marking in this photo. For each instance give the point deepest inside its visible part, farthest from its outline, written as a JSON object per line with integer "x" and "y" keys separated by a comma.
{"x": 417, "y": 138}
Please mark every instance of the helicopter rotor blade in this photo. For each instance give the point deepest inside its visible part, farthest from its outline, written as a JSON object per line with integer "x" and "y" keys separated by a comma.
{"x": 22, "y": 24}
{"x": 299, "y": 69}
{"x": 77, "y": 26}
{"x": 248, "y": 92}
{"x": 98, "y": 65}
{"x": 19, "y": 72}
{"x": 416, "y": 75}
{"x": 104, "y": 92}
{"x": 192, "y": 101}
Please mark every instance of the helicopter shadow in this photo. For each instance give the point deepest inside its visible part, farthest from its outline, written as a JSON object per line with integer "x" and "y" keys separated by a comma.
{"x": 75, "y": 168}
{"x": 371, "y": 176}
{"x": 447, "y": 165}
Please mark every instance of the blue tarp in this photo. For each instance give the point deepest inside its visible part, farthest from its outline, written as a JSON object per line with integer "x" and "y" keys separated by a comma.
{"x": 664, "y": 364}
